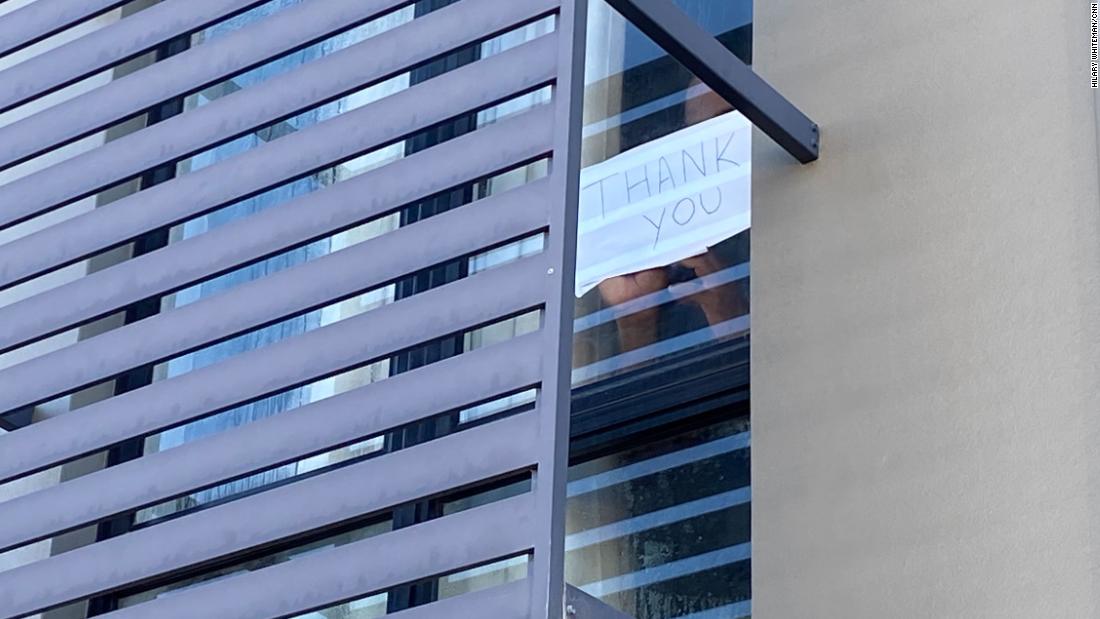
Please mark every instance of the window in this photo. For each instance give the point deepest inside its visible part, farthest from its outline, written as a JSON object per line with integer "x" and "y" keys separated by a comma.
{"x": 663, "y": 244}
{"x": 662, "y": 530}
{"x": 660, "y": 527}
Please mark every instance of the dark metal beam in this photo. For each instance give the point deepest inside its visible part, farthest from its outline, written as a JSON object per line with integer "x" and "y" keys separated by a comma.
{"x": 725, "y": 73}
{"x": 580, "y": 605}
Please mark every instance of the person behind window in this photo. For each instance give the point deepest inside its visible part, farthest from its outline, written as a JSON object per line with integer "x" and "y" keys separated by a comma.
{"x": 710, "y": 305}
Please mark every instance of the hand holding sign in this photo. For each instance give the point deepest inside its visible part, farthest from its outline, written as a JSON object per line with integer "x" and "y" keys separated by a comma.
{"x": 664, "y": 201}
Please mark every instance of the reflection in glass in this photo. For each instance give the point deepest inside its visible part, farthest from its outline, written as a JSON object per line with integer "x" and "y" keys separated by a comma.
{"x": 478, "y": 578}
{"x": 334, "y": 541}
{"x": 370, "y": 300}
{"x": 469, "y": 580}
{"x": 636, "y": 95}
{"x": 430, "y": 352}
{"x": 662, "y": 530}
{"x": 366, "y": 608}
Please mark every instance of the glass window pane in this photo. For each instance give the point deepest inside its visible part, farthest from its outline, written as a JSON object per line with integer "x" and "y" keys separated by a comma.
{"x": 478, "y": 578}
{"x": 366, "y": 608}
{"x": 663, "y": 243}
{"x": 662, "y": 530}
{"x": 361, "y": 533}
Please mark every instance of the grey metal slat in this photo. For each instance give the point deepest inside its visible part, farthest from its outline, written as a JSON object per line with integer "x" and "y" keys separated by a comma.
{"x": 467, "y": 303}
{"x": 508, "y": 601}
{"x": 386, "y": 54}
{"x": 399, "y": 115}
{"x": 351, "y": 572}
{"x": 274, "y": 441}
{"x": 339, "y": 275}
{"x": 108, "y": 46}
{"x": 475, "y": 155}
{"x": 191, "y": 70}
{"x": 38, "y": 20}
{"x": 472, "y": 455}
{"x": 587, "y": 607}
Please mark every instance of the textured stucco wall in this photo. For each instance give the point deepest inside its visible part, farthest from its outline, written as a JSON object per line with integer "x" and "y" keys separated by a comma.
{"x": 926, "y": 366}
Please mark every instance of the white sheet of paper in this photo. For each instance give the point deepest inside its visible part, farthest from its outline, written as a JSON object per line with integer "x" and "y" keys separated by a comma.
{"x": 669, "y": 199}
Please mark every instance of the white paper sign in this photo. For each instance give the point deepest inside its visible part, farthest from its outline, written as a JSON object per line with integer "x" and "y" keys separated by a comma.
{"x": 669, "y": 199}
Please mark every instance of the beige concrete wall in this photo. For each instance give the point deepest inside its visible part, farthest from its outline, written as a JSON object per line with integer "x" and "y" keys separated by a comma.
{"x": 926, "y": 363}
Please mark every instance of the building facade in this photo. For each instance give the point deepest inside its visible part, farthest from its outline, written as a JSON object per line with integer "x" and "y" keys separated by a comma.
{"x": 658, "y": 495}
{"x": 323, "y": 447}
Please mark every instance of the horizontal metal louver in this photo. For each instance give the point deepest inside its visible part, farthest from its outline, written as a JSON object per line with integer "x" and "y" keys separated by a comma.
{"x": 43, "y": 19}
{"x": 530, "y": 440}
{"x": 100, "y": 50}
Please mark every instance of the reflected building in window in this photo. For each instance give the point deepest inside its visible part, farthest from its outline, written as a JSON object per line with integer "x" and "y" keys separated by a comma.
{"x": 659, "y": 493}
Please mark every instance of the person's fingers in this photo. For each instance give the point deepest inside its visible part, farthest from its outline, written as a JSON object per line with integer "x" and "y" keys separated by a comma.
{"x": 623, "y": 288}
{"x": 704, "y": 264}
{"x": 652, "y": 279}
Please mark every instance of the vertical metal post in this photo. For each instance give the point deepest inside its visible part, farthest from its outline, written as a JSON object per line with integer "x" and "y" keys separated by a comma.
{"x": 548, "y": 571}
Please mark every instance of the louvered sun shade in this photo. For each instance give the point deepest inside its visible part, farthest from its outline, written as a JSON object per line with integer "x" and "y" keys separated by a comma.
{"x": 535, "y": 440}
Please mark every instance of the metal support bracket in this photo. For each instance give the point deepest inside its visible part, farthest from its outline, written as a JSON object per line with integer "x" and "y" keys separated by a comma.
{"x": 580, "y": 605}
{"x": 725, "y": 73}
